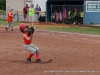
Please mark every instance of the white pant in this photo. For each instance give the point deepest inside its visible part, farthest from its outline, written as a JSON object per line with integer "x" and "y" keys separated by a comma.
{"x": 31, "y": 48}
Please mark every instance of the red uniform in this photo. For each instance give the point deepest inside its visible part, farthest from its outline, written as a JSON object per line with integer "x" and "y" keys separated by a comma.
{"x": 28, "y": 44}
{"x": 25, "y": 41}
{"x": 9, "y": 16}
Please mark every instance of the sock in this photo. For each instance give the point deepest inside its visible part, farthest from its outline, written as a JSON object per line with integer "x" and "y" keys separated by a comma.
{"x": 37, "y": 56}
{"x": 30, "y": 55}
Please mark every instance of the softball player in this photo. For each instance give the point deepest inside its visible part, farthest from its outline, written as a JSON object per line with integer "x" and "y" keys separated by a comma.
{"x": 9, "y": 19}
{"x": 27, "y": 40}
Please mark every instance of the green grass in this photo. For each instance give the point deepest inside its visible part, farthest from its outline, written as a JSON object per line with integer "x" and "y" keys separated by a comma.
{"x": 4, "y": 22}
{"x": 74, "y": 29}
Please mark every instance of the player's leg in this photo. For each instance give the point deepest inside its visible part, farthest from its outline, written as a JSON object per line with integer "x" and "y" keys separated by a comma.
{"x": 32, "y": 51}
{"x": 10, "y": 24}
{"x": 37, "y": 53}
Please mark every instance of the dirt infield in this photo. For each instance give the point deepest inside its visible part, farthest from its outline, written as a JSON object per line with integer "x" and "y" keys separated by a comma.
{"x": 61, "y": 54}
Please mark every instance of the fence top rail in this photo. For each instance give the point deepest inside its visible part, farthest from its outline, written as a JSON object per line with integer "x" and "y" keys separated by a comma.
{"x": 35, "y": 11}
{"x": 68, "y": 5}
{"x": 22, "y": 11}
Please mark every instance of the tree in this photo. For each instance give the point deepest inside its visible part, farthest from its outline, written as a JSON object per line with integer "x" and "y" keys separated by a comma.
{"x": 2, "y": 4}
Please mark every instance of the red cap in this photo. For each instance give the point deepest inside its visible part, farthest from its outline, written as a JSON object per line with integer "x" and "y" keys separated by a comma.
{"x": 22, "y": 26}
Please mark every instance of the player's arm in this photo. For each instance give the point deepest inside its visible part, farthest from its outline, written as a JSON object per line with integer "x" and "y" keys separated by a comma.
{"x": 28, "y": 38}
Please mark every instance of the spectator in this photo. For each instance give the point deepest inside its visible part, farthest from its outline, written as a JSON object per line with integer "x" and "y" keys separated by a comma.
{"x": 82, "y": 15}
{"x": 25, "y": 11}
{"x": 53, "y": 18}
{"x": 31, "y": 14}
{"x": 39, "y": 8}
{"x": 69, "y": 15}
{"x": 9, "y": 17}
{"x": 37, "y": 13}
{"x": 40, "y": 17}
{"x": 75, "y": 16}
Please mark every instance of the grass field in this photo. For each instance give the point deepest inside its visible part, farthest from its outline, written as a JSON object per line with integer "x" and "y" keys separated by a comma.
{"x": 3, "y": 22}
{"x": 71, "y": 28}
{"x": 88, "y": 30}
{"x": 67, "y": 28}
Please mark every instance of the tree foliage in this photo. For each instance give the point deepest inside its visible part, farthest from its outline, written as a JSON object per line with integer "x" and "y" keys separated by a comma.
{"x": 2, "y": 4}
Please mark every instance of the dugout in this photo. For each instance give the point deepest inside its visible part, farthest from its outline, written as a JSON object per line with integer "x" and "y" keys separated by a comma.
{"x": 58, "y": 4}
{"x": 91, "y": 9}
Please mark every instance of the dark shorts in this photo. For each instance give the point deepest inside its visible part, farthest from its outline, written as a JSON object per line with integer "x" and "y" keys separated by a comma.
{"x": 25, "y": 15}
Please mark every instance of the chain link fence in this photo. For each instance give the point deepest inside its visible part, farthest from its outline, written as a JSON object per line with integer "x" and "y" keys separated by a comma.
{"x": 18, "y": 16}
{"x": 68, "y": 14}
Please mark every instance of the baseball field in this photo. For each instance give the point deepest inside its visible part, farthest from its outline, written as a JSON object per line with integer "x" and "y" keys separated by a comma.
{"x": 62, "y": 53}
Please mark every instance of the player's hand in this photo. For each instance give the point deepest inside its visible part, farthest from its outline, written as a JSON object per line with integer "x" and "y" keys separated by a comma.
{"x": 30, "y": 31}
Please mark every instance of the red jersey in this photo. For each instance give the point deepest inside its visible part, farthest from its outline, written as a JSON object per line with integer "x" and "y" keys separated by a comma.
{"x": 25, "y": 41}
{"x": 9, "y": 18}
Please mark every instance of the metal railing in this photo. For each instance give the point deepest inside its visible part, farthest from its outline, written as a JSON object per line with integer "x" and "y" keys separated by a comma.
{"x": 18, "y": 15}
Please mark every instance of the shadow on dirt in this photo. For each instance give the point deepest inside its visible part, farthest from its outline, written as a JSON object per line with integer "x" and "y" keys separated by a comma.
{"x": 44, "y": 61}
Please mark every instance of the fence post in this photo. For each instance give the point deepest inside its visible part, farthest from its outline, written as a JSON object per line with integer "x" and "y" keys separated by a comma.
{"x": 3, "y": 14}
{"x": 51, "y": 13}
{"x": 45, "y": 16}
{"x": 63, "y": 14}
{"x": 17, "y": 16}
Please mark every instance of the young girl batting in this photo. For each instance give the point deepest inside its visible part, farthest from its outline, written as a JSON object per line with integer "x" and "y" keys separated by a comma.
{"x": 27, "y": 40}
